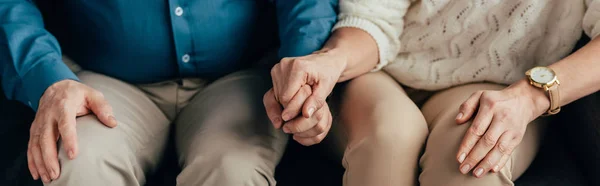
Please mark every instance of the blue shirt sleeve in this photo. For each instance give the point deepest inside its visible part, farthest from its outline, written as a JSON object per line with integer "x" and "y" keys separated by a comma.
{"x": 304, "y": 25}
{"x": 30, "y": 57}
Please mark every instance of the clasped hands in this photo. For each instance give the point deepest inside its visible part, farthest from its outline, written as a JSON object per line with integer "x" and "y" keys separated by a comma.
{"x": 297, "y": 101}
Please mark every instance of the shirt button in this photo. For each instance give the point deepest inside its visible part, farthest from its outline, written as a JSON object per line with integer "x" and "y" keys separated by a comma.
{"x": 178, "y": 11}
{"x": 185, "y": 58}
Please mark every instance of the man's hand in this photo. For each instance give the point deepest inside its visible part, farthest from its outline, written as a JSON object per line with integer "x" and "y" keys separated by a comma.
{"x": 302, "y": 84}
{"x": 500, "y": 120}
{"x": 59, "y": 106}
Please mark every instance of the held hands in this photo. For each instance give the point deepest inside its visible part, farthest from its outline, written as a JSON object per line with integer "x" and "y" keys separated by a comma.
{"x": 500, "y": 121}
{"x": 59, "y": 106}
{"x": 301, "y": 86}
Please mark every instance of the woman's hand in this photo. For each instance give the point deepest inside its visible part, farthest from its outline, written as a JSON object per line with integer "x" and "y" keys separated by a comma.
{"x": 498, "y": 125}
{"x": 302, "y": 84}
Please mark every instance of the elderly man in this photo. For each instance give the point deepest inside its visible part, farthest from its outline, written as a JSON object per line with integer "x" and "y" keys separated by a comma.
{"x": 147, "y": 65}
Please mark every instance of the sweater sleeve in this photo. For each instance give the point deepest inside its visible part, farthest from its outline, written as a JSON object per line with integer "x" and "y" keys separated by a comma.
{"x": 382, "y": 19}
{"x": 591, "y": 18}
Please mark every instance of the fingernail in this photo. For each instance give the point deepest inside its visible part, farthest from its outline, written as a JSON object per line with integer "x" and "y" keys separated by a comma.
{"x": 285, "y": 116}
{"x": 460, "y": 115}
{"x": 311, "y": 110}
{"x": 71, "y": 154}
{"x": 45, "y": 178}
{"x": 465, "y": 168}
{"x": 276, "y": 120}
{"x": 462, "y": 157}
{"x": 478, "y": 172}
{"x": 496, "y": 168}
{"x": 286, "y": 130}
{"x": 113, "y": 119}
{"x": 53, "y": 174}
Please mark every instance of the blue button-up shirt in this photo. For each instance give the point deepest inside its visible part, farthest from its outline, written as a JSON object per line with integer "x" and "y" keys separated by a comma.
{"x": 145, "y": 41}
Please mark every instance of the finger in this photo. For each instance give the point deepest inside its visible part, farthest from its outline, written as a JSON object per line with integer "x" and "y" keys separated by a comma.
{"x": 507, "y": 144}
{"x": 296, "y": 79}
{"x": 300, "y": 124}
{"x": 317, "y": 99}
{"x": 310, "y": 141}
{"x": 31, "y": 163}
{"x": 275, "y": 79}
{"x": 38, "y": 160}
{"x": 500, "y": 165}
{"x": 478, "y": 127}
{"x": 492, "y": 159}
{"x": 49, "y": 154}
{"x": 68, "y": 132}
{"x": 293, "y": 107}
{"x": 482, "y": 148}
{"x": 468, "y": 108}
{"x": 323, "y": 125}
{"x": 273, "y": 109}
{"x": 101, "y": 108}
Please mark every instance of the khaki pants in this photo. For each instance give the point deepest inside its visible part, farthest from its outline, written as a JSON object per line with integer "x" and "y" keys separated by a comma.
{"x": 387, "y": 140}
{"x": 223, "y": 136}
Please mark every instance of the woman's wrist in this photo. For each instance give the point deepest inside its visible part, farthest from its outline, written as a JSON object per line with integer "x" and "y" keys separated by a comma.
{"x": 540, "y": 103}
{"x": 338, "y": 58}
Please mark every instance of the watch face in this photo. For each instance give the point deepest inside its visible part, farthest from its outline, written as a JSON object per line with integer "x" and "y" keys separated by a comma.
{"x": 542, "y": 75}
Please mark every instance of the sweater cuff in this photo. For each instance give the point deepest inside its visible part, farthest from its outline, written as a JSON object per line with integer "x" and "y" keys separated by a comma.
{"x": 373, "y": 30}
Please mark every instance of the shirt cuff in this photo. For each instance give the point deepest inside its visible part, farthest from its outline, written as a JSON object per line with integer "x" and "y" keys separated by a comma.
{"x": 41, "y": 76}
{"x": 373, "y": 30}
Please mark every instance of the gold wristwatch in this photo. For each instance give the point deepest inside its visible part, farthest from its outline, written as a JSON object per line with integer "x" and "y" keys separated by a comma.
{"x": 545, "y": 78}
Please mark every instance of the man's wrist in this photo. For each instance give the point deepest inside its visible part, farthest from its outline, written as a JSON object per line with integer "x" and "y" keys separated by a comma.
{"x": 538, "y": 97}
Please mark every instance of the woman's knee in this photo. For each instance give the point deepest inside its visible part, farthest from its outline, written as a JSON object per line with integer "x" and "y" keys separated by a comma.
{"x": 375, "y": 106}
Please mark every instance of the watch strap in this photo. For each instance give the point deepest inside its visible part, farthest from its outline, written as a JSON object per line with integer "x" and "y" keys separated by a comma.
{"x": 554, "y": 99}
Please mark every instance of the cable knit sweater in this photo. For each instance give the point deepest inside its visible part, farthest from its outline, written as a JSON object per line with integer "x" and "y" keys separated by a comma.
{"x": 436, "y": 44}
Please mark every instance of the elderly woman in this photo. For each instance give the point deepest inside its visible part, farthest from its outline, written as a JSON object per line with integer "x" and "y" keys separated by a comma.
{"x": 463, "y": 85}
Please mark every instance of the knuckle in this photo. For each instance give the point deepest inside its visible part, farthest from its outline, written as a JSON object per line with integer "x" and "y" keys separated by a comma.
{"x": 465, "y": 106}
{"x": 35, "y": 145}
{"x": 505, "y": 148}
{"x": 472, "y": 159}
{"x": 286, "y": 60}
{"x": 320, "y": 102}
{"x": 294, "y": 128}
{"x": 476, "y": 130}
{"x": 62, "y": 102}
{"x": 488, "y": 141}
{"x": 504, "y": 113}
{"x": 306, "y": 90}
{"x": 320, "y": 115}
{"x": 63, "y": 126}
{"x": 275, "y": 69}
{"x": 320, "y": 128}
{"x": 488, "y": 163}
{"x": 45, "y": 136}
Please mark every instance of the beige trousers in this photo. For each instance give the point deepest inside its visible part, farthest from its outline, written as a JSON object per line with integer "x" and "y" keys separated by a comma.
{"x": 390, "y": 141}
{"x": 223, "y": 136}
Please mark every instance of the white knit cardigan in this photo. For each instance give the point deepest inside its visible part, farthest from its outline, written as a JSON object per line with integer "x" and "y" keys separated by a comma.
{"x": 436, "y": 44}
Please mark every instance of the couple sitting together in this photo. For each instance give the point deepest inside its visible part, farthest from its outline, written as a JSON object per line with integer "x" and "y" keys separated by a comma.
{"x": 432, "y": 92}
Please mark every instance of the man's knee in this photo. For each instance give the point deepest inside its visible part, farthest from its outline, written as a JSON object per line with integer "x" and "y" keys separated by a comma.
{"x": 98, "y": 166}
{"x": 232, "y": 168}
